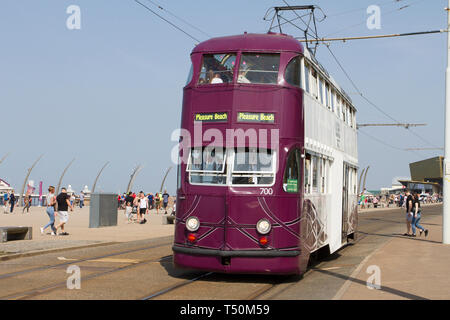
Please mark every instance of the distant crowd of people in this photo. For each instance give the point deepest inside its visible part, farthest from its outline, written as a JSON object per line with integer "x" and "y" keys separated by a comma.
{"x": 9, "y": 201}
{"x": 141, "y": 203}
{"x": 371, "y": 201}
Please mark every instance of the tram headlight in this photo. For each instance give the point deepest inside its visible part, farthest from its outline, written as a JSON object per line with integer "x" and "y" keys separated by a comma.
{"x": 192, "y": 224}
{"x": 263, "y": 226}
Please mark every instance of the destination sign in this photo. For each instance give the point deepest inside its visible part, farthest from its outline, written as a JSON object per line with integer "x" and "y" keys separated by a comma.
{"x": 211, "y": 117}
{"x": 256, "y": 117}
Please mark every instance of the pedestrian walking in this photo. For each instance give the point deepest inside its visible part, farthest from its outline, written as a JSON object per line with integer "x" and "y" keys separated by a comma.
{"x": 157, "y": 201}
{"x": 409, "y": 215}
{"x": 174, "y": 209}
{"x": 5, "y": 203}
{"x": 165, "y": 197}
{"x": 72, "y": 199}
{"x": 143, "y": 208}
{"x": 27, "y": 205}
{"x": 150, "y": 201}
{"x": 63, "y": 205}
{"x": 12, "y": 201}
{"x": 81, "y": 200}
{"x": 51, "y": 203}
{"x": 417, "y": 215}
{"x": 129, "y": 207}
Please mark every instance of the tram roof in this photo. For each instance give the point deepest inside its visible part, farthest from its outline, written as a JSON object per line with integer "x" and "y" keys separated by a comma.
{"x": 252, "y": 42}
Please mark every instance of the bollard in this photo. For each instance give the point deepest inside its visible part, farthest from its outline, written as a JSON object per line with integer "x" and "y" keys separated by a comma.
{"x": 103, "y": 210}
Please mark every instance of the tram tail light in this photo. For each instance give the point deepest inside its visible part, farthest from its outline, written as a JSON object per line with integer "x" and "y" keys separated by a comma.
{"x": 191, "y": 237}
{"x": 263, "y": 241}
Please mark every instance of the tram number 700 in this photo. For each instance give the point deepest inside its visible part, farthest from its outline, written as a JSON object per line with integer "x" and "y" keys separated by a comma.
{"x": 266, "y": 191}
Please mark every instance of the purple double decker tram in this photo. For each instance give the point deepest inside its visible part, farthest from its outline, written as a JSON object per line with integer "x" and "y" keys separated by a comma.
{"x": 268, "y": 158}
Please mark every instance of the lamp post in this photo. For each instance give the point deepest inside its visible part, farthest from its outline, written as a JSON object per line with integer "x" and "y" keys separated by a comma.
{"x": 446, "y": 182}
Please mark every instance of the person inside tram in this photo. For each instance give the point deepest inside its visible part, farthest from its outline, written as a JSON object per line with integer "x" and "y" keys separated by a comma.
{"x": 242, "y": 78}
{"x": 216, "y": 79}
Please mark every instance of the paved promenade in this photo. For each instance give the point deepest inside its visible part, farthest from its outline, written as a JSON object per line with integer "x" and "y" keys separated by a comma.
{"x": 79, "y": 232}
{"x": 411, "y": 268}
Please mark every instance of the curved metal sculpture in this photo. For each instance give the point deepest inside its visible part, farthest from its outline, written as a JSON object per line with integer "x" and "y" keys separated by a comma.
{"x": 365, "y": 176}
{"x": 62, "y": 175}
{"x": 4, "y": 157}
{"x": 132, "y": 177}
{"x": 360, "y": 178}
{"x": 26, "y": 179}
{"x": 98, "y": 175}
{"x": 164, "y": 179}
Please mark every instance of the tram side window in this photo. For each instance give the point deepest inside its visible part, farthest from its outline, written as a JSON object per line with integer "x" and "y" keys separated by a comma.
{"x": 292, "y": 75}
{"x": 323, "y": 167}
{"x": 321, "y": 91}
{"x": 217, "y": 68}
{"x": 252, "y": 166}
{"x": 307, "y": 172}
{"x": 207, "y": 166}
{"x": 307, "y": 78}
{"x": 314, "y": 83}
{"x": 327, "y": 96}
{"x": 332, "y": 96}
{"x": 315, "y": 174}
{"x": 291, "y": 179}
{"x": 259, "y": 68}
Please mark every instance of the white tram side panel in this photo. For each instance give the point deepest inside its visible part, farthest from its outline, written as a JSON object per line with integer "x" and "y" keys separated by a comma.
{"x": 330, "y": 140}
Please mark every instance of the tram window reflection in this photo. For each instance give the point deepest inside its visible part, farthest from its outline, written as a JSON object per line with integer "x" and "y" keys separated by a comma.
{"x": 217, "y": 68}
{"x": 307, "y": 169}
{"x": 291, "y": 179}
{"x": 292, "y": 75}
{"x": 252, "y": 166}
{"x": 207, "y": 166}
{"x": 259, "y": 68}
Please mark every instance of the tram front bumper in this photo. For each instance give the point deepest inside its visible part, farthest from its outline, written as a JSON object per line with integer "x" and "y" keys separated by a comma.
{"x": 236, "y": 253}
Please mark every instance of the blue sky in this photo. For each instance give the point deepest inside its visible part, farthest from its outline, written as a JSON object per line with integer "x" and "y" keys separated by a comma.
{"x": 112, "y": 90}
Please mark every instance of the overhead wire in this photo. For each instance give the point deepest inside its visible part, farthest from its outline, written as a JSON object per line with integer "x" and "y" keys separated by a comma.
{"x": 357, "y": 88}
{"x": 169, "y": 22}
{"x": 179, "y": 18}
{"x": 365, "y": 21}
{"x": 389, "y": 145}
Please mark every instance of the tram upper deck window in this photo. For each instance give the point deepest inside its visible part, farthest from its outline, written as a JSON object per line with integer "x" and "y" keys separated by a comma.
{"x": 217, "y": 68}
{"x": 259, "y": 68}
{"x": 292, "y": 75}
{"x": 252, "y": 166}
{"x": 207, "y": 166}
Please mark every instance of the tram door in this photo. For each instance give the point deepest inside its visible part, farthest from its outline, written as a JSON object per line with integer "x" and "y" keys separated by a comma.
{"x": 345, "y": 200}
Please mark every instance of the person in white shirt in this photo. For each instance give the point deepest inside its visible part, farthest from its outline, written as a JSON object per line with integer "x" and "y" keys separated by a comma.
{"x": 242, "y": 78}
{"x": 143, "y": 208}
{"x": 216, "y": 79}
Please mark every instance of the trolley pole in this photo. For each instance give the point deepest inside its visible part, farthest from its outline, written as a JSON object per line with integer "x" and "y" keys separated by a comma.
{"x": 446, "y": 182}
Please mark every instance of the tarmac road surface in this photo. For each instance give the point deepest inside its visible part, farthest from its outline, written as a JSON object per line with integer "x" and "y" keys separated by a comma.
{"x": 143, "y": 270}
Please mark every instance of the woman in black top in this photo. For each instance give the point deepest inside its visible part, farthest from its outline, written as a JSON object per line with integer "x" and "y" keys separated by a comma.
{"x": 416, "y": 217}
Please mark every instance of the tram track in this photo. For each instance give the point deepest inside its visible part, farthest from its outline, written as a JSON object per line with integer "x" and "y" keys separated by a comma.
{"x": 60, "y": 284}
{"x": 58, "y": 265}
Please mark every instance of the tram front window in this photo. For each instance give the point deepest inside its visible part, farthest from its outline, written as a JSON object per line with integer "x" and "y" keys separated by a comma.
{"x": 207, "y": 166}
{"x": 217, "y": 68}
{"x": 252, "y": 166}
{"x": 259, "y": 68}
